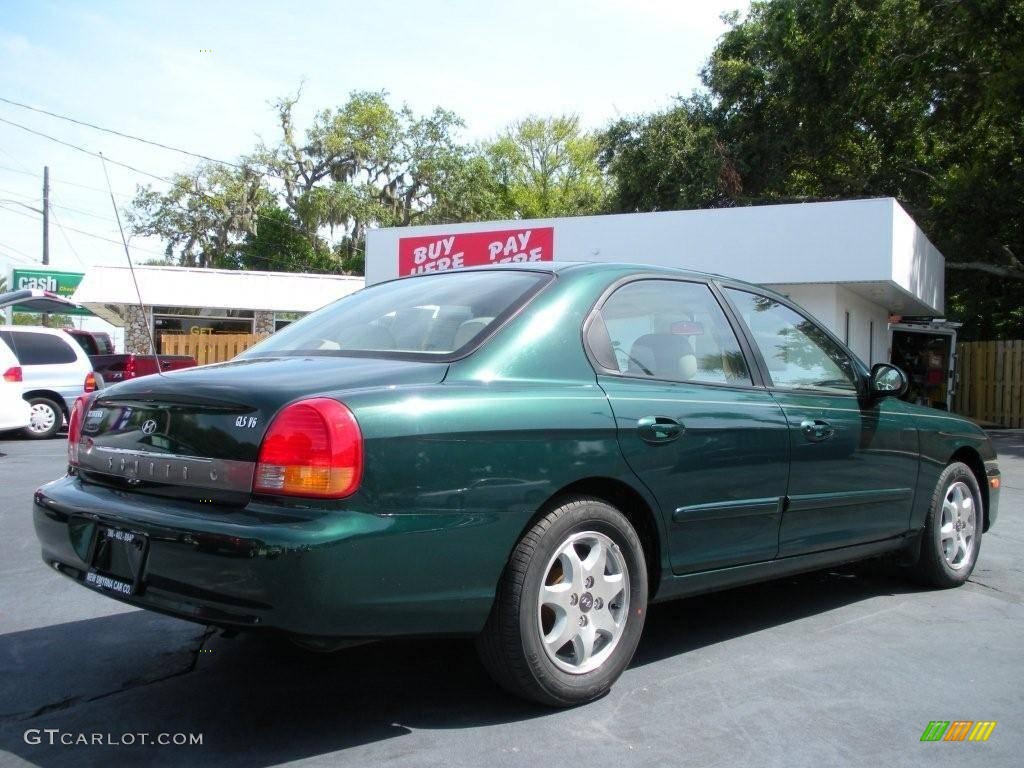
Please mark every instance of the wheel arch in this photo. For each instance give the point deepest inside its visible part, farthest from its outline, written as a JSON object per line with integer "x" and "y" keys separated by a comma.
{"x": 969, "y": 456}
{"x": 631, "y": 503}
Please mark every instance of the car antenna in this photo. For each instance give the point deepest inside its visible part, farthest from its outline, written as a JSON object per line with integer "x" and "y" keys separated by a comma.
{"x": 131, "y": 268}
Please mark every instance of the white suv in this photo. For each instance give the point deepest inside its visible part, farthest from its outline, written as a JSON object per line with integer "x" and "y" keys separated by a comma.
{"x": 14, "y": 411}
{"x": 55, "y": 371}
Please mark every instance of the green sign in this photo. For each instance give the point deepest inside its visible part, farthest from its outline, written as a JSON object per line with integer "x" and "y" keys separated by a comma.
{"x": 61, "y": 283}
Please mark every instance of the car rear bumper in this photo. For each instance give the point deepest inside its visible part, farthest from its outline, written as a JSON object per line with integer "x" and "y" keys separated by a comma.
{"x": 326, "y": 573}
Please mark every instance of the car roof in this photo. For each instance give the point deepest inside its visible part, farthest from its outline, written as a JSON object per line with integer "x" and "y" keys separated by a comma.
{"x": 620, "y": 269}
{"x": 35, "y": 329}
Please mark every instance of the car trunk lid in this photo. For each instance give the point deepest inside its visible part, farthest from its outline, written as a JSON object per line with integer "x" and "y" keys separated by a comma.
{"x": 196, "y": 434}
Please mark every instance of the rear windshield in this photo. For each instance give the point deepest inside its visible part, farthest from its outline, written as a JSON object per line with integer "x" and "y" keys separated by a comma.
{"x": 432, "y": 316}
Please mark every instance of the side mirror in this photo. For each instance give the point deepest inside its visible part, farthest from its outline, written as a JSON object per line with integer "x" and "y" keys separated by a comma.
{"x": 887, "y": 381}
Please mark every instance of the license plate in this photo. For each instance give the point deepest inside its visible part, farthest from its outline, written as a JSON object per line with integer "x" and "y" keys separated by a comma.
{"x": 117, "y": 560}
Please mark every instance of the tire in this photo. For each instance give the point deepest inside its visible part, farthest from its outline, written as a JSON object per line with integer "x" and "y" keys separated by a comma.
{"x": 601, "y": 620}
{"x": 951, "y": 539}
{"x": 47, "y": 418}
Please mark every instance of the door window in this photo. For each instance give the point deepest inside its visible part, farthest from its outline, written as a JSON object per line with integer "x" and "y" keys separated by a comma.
{"x": 38, "y": 348}
{"x": 667, "y": 329}
{"x": 798, "y": 352}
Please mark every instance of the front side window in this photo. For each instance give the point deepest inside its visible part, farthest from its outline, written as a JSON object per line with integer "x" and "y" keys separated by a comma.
{"x": 797, "y": 351}
{"x": 432, "y": 316}
{"x": 667, "y": 329}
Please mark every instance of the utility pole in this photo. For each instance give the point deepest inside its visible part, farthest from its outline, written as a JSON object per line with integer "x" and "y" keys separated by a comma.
{"x": 46, "y": 214}
{"x": 46, "y": 228}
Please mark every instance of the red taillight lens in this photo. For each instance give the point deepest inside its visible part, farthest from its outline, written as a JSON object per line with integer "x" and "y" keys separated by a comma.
{"x": 129, "y": 367}
{"x": 90, "y": 382}
{"x": 312, "y": 448}
{"x": 13, "y": 374}
{"x": 75, "y": 427}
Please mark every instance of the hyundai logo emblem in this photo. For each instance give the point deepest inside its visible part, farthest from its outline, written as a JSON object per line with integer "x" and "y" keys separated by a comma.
{"x": 149, "y": 427}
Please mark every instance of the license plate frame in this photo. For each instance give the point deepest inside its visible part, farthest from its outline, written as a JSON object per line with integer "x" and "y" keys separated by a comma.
{"x": 117, "y": 560}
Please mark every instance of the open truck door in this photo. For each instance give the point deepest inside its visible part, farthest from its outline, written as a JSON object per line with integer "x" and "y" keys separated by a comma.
{"x": 926, "y": 352}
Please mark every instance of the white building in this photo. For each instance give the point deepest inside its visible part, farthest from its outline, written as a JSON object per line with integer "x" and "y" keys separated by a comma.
{"x": 852, "y": 264}
{"x": 190, "y": 300}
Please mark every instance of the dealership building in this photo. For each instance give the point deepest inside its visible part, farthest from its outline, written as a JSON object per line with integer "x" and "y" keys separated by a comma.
{"x": 852, "y": 264}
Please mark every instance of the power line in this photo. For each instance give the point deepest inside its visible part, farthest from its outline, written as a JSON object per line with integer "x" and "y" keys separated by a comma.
{"x": 87, "y": 234}
{"x": 67, "y": 240}
{"x": 77, "y": 148}
{"x": 62, "y": 182}
{"x": 16, "y": 254}
{"x": 198, "y": 193}
{"x": 123, "y": 135}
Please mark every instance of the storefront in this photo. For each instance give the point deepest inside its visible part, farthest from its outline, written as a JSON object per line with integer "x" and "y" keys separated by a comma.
{"x": 180, "y": 300}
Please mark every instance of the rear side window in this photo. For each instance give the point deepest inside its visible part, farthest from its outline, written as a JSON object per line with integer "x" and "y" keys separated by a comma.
{"x": 38, "y": 348}
{"x": 667, "y": 329}
{"x": 87, "y": 343}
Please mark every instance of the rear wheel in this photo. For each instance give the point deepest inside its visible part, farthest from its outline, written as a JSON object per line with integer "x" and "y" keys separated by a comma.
{"x": 952, "y": 533}
{"x": 570, "y": 607}
{"x": 45, "y": 418}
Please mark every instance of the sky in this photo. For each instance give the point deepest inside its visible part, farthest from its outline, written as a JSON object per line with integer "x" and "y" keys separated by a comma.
{"x": 200, "y": 75}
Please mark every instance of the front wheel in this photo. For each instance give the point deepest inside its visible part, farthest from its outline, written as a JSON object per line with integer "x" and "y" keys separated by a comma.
{"x": 570, "y": 607}
{"x": 952, "y": 532}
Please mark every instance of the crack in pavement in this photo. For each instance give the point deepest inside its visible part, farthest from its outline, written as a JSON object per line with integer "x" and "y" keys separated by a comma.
{"x": 130, "y": 685}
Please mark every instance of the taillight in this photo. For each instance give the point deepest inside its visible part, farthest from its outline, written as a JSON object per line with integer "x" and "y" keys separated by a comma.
{"x": 129, "y": 367}
{"x": 13, "y": 374}
{"x": 75, "y": 427}
{"x": 90, "y": 382}
{"x": 312, "y": 448}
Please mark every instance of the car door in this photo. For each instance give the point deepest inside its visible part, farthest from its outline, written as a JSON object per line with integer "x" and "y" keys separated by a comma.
{"x": 693, "y": 421}
{"x": 853, "y": 461}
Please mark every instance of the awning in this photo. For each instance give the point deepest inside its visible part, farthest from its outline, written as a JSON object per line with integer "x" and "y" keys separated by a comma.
{"x": 105, "y": 289}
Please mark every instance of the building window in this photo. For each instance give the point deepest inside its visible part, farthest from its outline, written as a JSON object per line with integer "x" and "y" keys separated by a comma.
{"x": 200, "y": 322}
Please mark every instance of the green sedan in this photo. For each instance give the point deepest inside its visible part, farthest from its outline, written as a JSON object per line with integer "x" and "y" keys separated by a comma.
{"x": 530, "y": 455}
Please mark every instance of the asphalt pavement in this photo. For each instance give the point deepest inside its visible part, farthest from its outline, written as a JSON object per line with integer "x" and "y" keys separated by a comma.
{"x": 840, "y": 667}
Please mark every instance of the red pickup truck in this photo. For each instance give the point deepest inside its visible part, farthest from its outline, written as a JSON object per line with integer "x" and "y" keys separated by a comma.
{"x": 114, "y": 368}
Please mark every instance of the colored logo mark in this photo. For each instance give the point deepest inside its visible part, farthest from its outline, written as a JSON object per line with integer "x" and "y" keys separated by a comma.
{"x": 958, "y": 730}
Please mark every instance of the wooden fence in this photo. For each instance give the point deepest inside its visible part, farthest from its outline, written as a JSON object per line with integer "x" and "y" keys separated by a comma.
{"x": 207, "y": 348}
{"x": 991, "y": 382}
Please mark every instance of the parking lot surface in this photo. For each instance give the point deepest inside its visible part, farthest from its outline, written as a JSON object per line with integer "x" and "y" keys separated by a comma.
{"x": 835, "y": 667}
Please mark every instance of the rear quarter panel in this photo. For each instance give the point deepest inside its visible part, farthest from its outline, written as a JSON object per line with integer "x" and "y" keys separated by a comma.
{"x": 478, "y": 455}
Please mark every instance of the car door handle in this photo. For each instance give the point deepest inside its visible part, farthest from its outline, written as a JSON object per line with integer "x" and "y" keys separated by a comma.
{"x": 659, "y": 429}
{"x": 816, "y": 430}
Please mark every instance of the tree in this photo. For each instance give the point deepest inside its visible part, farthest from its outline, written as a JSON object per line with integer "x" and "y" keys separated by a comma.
{"x": 204, "y": 215}
{"x": 547, "y": 167}
{"x": 369, "y": 164}
{"x": 668, "y": 160}
{"x": 917, "y": 99}
{"x": 276, "y": 244}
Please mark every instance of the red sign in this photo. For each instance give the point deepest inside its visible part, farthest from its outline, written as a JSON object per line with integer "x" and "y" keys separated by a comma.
{"x": 439, "y": 253}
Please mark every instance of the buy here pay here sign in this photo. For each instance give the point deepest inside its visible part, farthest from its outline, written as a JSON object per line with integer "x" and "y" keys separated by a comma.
{"x": 439, "y": 253}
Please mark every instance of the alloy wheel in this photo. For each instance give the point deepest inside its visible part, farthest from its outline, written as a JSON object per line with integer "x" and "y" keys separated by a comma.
{"x": 584, "y": 602}
{"x": 957, "y": 528}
